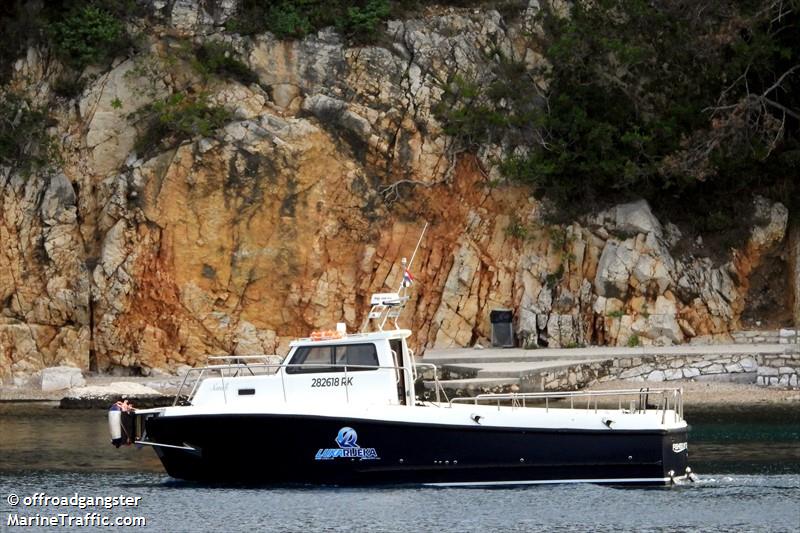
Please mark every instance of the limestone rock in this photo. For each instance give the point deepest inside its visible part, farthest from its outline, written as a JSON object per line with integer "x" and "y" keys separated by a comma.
{"x": 614, "y": 269}
{"x": 636, "y": 217}
{"x": 107, "y": 105}
{"x": 61, "y": 377}
{"x": 777, "y": 217}
{"x": 289, "y": 216}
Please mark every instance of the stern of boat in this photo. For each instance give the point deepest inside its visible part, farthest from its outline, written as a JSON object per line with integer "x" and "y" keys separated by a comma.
{"x": 675, "y": 454}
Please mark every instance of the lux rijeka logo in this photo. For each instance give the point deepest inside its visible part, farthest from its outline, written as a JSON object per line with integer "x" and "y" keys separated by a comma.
{"x": 348, "y": 448}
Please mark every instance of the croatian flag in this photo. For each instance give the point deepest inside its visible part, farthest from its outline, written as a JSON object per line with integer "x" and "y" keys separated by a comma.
{"x": 408, "y": 279}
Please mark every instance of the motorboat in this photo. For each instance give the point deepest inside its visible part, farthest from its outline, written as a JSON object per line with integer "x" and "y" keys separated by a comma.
{"x": 347, "y": 408}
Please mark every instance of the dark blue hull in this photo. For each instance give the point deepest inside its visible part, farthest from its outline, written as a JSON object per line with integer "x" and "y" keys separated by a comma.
{"x": 264, "y": 449}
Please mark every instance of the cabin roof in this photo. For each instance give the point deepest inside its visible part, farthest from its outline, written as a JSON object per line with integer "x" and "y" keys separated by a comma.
{"x": 350, "y": 338}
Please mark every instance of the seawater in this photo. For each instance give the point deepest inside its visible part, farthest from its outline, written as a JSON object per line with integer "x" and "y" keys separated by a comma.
{"x": 748, "y": 461}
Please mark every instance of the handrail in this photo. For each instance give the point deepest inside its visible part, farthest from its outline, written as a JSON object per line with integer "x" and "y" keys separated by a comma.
{"x": 667, "y": 398}
{"x": 436, "y": 383}
{"x": 278, "y": 366}
{"x": 225, "y": 357}
{"x": 676, "y": 394}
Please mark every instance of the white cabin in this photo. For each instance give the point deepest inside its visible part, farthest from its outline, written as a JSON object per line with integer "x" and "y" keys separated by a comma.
{"x": 362, "y": 369}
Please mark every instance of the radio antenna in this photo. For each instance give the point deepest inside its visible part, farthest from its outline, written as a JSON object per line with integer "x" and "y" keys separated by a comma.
{"x": 417, "y": 247}
{"x": 407, "y": 267}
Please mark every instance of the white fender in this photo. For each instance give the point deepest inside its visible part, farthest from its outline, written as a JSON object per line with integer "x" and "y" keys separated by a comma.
{"x": 115, "y": 424}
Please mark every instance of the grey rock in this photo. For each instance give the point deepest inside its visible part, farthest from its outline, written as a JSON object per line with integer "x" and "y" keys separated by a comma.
{"x": 636, "y": 217}
{"x": 690, "y": 372}
{"x": 748, "y": 364}
{"x": 182, "y": 370}
{"x": 632, "y": 372}
{"x": 614, "y": 268}
{"x": 58, "y": 204}
{"x": 332, "y": 111}
{"x": 61, "y": 377}
{"x": 672, "y": 234}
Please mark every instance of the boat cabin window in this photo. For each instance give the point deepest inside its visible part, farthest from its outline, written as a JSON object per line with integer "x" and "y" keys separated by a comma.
{"x": 357, "y": 354}
{"x": 333, "y": 358}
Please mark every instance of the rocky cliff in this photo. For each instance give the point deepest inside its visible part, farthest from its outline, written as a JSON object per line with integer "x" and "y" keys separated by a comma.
{"x": 287, "y": 217}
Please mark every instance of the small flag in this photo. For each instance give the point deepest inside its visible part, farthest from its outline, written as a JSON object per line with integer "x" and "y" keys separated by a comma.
{"x": 408, "y": 279}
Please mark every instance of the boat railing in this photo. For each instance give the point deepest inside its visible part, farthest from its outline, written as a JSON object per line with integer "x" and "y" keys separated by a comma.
{"x": 232, "y": 366}
{"x": 662, "y": 400}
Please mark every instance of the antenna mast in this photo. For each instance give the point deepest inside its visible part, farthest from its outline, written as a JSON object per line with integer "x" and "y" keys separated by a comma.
{"x": 413, "y": 255}
{"x": 387, "y": 306}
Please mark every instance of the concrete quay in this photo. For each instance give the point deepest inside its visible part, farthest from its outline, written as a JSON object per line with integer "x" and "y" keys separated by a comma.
{"x": 469, "y": 371}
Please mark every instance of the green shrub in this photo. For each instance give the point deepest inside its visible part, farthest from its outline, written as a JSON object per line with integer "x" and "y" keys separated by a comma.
{"x": 285, "y": 18}
{"x": 68, "y": 86}
{"x": 616, "y": 314}
{"x": 362, "y": 23}
{"x": 558, "y": 237}
{"x": 88, "y": 35}
{"x": 19, "y": 26}
{"x": 289, "y": 20}
{"x": 633, "y": 341}
{"x": 516, "y": 228}
{"x": 25, "y": 144}
{"x": 177, "y": 118}
{"x": 219, "y": 59}
{"x": 358, "y": 20}
{"x": 552, "y": 280}
{"x": 700, "y": 104}
{"x": 80, "y": 32}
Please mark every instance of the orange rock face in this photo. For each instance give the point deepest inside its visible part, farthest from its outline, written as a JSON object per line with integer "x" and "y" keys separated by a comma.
{"x": 286, "y": 219}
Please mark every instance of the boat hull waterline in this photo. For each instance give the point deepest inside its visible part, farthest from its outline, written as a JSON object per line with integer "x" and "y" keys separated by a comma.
{"x": 281, "y": 448}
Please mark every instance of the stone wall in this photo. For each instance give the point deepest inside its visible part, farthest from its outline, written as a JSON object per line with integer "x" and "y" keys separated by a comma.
{"x": 781, "y": 336}
{"x": 781, "y": 370}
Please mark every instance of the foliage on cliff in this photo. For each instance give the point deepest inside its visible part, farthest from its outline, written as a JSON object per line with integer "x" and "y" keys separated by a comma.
{"x": 703, "y": 104}
{"x": 360, "y": 21}
{"x": 220, "y": 59}
{"x": 79, "y": 32}
{"x": 357, "y": 20}
{"x": 178, "y": 117}
{"x": 25, "y": 143}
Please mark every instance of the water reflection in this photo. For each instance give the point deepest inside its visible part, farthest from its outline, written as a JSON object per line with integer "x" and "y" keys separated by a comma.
{"x": 44, "y": 437}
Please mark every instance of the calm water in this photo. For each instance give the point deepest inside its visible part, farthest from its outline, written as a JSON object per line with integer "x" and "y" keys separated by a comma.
{"x": 749, "y": 463}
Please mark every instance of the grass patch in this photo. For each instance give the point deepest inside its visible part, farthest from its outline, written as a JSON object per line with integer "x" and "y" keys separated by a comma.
{"x": 633, "y": 341}
{"x": 517, "y": 229}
